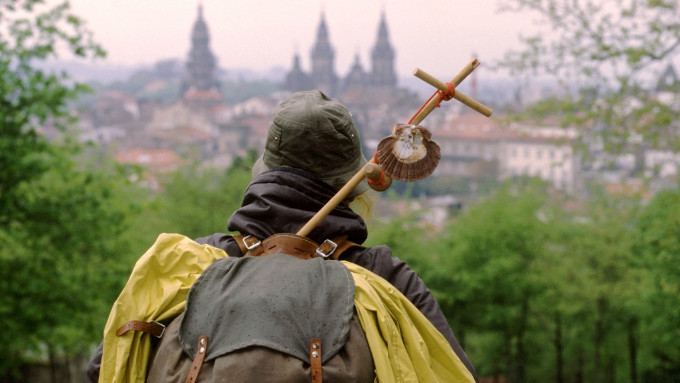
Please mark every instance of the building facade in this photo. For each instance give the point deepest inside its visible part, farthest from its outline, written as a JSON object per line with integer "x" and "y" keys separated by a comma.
{"x": 476, "y": 148}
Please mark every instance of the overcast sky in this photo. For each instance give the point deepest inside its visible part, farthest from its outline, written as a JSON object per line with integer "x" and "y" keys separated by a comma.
{"x": 438, "y": 36}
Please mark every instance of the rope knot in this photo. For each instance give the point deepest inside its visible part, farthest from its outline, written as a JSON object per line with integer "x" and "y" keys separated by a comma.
{"x": 440, "y": 96}
{"x": 450, "y": 92}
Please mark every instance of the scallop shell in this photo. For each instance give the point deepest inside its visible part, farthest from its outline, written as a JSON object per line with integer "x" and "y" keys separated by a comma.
{"x": 408, "y": 154}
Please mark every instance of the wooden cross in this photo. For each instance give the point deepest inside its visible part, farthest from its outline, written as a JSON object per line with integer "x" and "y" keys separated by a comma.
{"x": 434, "y": 101}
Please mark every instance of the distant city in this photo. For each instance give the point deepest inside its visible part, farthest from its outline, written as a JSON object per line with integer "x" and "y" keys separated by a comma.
{"x": 189, "y": 109}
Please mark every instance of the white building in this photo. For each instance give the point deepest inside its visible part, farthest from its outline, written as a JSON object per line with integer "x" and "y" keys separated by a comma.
{"x": 471, "y": 146}
{"x": 542, "y": 151}
{"x": 474, "y": 146}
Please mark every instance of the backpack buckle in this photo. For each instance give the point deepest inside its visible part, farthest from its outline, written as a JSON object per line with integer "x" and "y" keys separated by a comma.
{"x": 322, "y": 252}
{"x": 162, "y": 326}
{"x": 251, "y": 245}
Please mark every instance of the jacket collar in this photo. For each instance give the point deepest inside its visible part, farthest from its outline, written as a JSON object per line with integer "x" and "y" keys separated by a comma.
{"x": 282, "y": 200}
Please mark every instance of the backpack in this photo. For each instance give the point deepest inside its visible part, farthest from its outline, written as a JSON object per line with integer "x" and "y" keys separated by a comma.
{"x": 280, "y": 313}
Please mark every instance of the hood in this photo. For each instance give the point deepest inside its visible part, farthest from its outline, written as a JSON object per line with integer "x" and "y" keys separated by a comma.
{"x": 282, "y": 200}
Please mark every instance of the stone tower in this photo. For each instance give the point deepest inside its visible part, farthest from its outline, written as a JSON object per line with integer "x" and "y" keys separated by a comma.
{"x": 297, "y": 79}
{"x": 382, "y": 59}
{"x": 323, "y": 57}
{"x": 200, "y": 82}
{"x": 356, "y": 78}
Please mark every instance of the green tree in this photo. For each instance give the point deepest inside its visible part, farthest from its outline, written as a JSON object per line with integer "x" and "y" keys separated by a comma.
{"x": 539, "y": 292}
{"x": 596, "y": 290}
{"x": 399, "y": 233}
{"x": 30, "y": 97}
{"x": 67, "y": 257}
{"x": 658, "y": 249}
{"x": 487, "y": 282}
{"x": 62, "y": 224}
{"x": 605, "y": 57}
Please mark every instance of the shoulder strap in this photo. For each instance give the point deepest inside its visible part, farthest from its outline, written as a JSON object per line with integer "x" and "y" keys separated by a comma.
{"x": 292, "y": 244}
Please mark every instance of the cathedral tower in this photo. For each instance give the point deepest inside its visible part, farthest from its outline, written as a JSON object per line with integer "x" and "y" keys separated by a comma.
{"x": 200, "y": 82}
{"x": 382, "y": 57}
{"x": 323, "y": 57}
{"x": 297, "y": 79}
{"x": 356, "y": 78}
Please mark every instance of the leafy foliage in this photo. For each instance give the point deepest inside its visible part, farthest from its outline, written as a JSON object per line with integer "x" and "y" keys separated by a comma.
{"x": 502, "y": 239}
{"x": 59, "y": 221}
{"x": 30, "y": 97}
{"x": 68, "y": 234}
{"x": 538, "y": 287}
{"x": 658, "y": 246}
{"x": 605, "y": 57}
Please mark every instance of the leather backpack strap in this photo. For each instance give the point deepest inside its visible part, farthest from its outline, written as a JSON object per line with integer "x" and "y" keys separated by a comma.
{"x": 239, "y": 241}
{"x": 154, "y": 328}
{"x": 292, "y": 244}
{"x": 338, "y": 246}
{"x": 248, "y": 244}
{"x": 201, "y": 350}
{"x": 315, "y": 373}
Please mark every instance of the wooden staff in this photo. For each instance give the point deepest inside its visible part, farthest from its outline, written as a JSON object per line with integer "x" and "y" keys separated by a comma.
{"x": 367, "y": 171}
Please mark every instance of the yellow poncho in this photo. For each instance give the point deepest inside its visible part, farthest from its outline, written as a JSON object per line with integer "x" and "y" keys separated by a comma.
{"x": 405, "y": 346}
{"x": 157, "y": 290}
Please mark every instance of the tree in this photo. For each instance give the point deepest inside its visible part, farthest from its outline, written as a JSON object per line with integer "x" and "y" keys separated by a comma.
{"x": 540, "y": 292}
{"x": 62, "y": 224}
{"x": 605, "y": 56}
{"x": 67, "y": 255}
{"x": 30, "y": 97}
{"x": 658, "y": 247}
{"x": 597, "y": 287}
{"x": 487, "y": 282}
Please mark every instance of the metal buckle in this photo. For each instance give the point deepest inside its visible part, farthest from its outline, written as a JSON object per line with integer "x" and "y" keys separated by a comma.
{"x": 250, "y": 247}
{"x": 322, "y": 254}
{"x": 162, "y": 331}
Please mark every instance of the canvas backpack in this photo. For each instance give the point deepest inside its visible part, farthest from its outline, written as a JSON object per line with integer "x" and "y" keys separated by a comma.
{"x": 280, "y": 313}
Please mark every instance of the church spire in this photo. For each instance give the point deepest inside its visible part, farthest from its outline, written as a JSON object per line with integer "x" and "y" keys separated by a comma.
{"x": 356, "y": 78}
{"x": 323, "y": 58}
{"x": 382, "y": 56}
{"x": 201, "y": 64}
{"x": 297, "y": 79}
